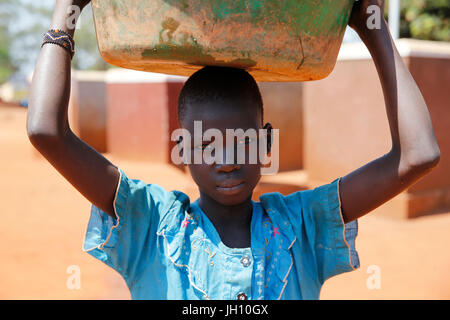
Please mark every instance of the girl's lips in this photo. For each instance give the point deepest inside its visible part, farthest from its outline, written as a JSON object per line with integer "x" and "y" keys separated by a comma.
{"x": 231, "y": 189}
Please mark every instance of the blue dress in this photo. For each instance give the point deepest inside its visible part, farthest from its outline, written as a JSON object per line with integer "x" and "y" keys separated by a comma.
{"x": 165, "y": 247}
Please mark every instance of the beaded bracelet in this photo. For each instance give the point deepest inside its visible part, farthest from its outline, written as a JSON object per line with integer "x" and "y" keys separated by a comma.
{"x": 60, "y": 38}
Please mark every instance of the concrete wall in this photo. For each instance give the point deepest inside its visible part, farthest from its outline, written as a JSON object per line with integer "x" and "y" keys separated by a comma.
{"x": 283, "y": 109}
{"x": 141, "y": 114}
{"x": 88, "y": 107}
{"x": 346, "y": 124}
{"x": 132, "y": 114}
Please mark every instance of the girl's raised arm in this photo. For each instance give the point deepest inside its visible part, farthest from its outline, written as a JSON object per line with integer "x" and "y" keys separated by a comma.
{"x": 47, "y": 122}
{"x": 415, "y": 151}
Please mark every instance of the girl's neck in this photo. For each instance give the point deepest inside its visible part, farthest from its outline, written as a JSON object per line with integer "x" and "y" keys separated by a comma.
{"x": 235, "y": 219}
{"x": 235, "y": 215}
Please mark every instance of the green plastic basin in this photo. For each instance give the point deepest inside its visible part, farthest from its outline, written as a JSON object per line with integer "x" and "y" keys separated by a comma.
{"x": 275, "y": 40}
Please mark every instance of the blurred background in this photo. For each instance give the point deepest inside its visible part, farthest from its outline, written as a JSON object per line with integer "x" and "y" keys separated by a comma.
{"x": 328, "y": 128}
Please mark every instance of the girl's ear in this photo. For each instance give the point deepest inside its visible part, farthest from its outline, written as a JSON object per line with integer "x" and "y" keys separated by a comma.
{"x": 181, "y": 150}
{"x": 268, "y": 127}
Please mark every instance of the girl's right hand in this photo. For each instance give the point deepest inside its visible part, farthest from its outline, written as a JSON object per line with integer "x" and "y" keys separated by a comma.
{"x": 63, "y": 17}
{"x": 81, "y": 3}
{"x": 360, "y": 14}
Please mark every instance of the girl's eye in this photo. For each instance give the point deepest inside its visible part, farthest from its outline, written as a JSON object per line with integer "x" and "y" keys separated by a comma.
{"x": 245, "y": 141}
{"x": 203, "y": 146}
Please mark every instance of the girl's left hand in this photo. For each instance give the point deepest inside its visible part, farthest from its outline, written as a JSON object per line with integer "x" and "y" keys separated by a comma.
{"x": 81, "y": 3}
{"x": 359, "y": 15}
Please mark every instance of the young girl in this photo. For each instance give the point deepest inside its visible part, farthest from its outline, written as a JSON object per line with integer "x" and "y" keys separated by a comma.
{"x": 224, "y": 245}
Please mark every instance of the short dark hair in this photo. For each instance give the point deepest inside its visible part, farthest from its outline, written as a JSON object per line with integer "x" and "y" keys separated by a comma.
{"x": 214, "y": 83}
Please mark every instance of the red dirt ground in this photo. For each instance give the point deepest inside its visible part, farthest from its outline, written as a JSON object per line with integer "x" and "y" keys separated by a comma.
{"x": 44, "y": 220}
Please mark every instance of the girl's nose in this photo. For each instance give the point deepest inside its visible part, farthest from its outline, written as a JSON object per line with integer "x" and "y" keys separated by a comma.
{"x": 228, "y": 166}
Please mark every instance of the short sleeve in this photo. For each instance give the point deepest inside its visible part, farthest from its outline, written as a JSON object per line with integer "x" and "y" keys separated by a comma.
{"x": 123, "y": 242}
{"x": 316, "y": 219}
{"x": 333, "y": 241}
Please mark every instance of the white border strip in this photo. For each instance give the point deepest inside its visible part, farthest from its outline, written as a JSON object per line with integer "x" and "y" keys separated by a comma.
{"x": 406, "y": 48}
{"x": 343, "y": 223}
{"x": 133, "y": 76}
{"x": 102, "y": 245}
{"x": 93, "y": 76}
{"x": 289, "y": 270}
{"x": 205, "y": 296}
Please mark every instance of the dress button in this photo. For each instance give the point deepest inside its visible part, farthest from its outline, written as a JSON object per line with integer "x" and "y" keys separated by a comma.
{"x": 245, "y": 260}
{"x": 241, "y": 296}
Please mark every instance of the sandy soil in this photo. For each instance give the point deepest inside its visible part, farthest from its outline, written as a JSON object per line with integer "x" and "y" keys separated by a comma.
{"x": 44, "y": 220}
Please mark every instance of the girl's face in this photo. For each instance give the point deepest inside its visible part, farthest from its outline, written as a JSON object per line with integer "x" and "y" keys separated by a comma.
{"x": 229, "y": 183}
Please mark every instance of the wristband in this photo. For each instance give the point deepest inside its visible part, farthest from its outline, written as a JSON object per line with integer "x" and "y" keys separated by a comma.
{"x": 60, "y": 38}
